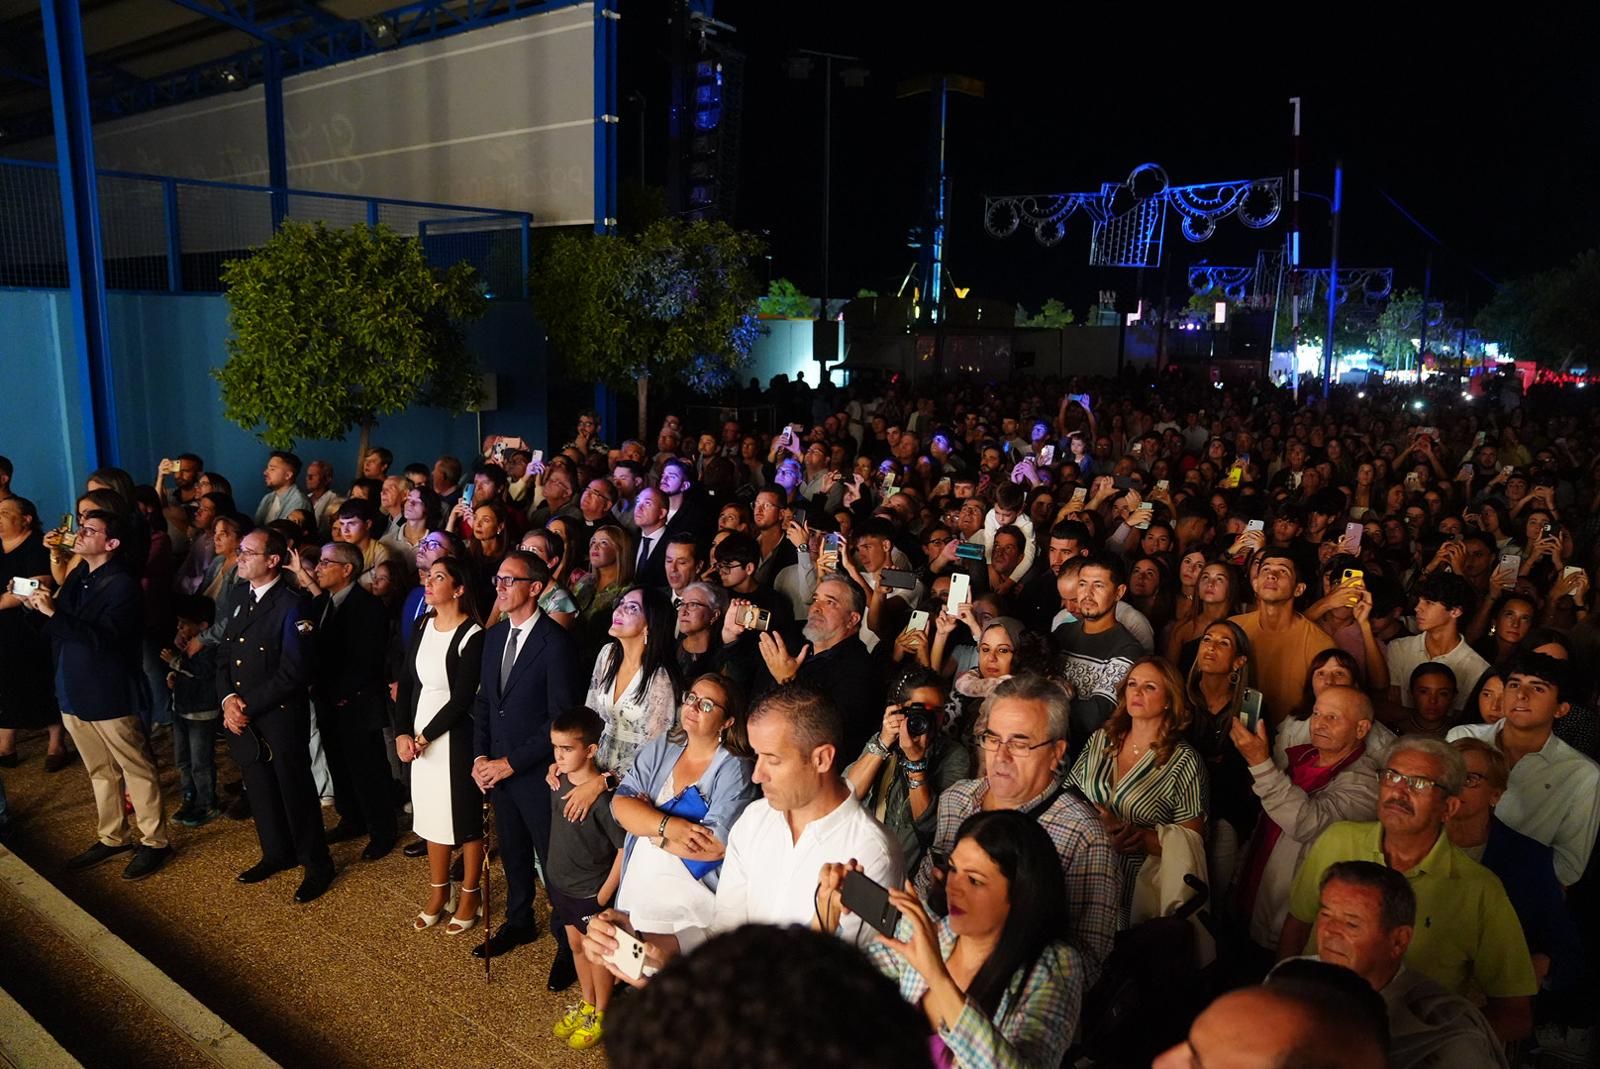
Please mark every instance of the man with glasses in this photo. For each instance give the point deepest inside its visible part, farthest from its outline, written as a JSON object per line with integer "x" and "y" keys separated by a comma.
{"x": 95, "y": 627}
{"x": 1467, "y": 936}
{"x": 1025, "y": 747}
{"x": 530, "y": 676}
{"x": 348, "y": 688}
{"x": 594, "y": 504}
{"x": 263, "y": 671}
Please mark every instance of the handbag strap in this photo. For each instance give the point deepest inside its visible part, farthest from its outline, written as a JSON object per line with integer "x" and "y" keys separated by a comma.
{"x": 885, "y": 781}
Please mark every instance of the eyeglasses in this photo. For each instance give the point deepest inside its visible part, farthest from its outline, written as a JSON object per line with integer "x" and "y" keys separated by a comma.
{"x": 730, "y": 565}
{"x": 91, "y": 531}
{"x": 430, "y": 543}
{"x": 328, "y": 561}
{"x": 700, "y": 704}
{"x": 701, "y": 605}
{"x": 1015, "y": 747}
{"x": 936, "y": 541}
{"x": 499, "y": 581}
{"x": 245, "y": 554}
{"x": 1415, "y": 784}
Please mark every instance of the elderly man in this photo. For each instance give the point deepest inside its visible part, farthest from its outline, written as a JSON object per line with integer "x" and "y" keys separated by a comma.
{"x": 804, "y": 819}
{"x": 1330, "y": 779}
{"x": 1366, "y": 918}
{"x": 1469, "y": 937}
{"x": 1026, "y": 744}
{"x": 826, "y": 654}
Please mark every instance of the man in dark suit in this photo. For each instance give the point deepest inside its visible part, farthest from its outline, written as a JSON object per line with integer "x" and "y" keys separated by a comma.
{"x": 94, "y": 629}
{"x": 263, "y": 670}
{"x": 650, "y": 525}
{"x": 348, "y": 686}
{"x": 530, "y": 676}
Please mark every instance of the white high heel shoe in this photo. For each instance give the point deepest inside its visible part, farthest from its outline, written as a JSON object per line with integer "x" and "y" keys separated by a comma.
{"x": 456, "y": 926}
{"x": 425, "y": 921}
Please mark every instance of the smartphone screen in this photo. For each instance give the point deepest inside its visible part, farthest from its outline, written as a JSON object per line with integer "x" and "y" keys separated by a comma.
{"x": 960, "y": 592}
{"x": 1080, "y": 495}
{"x": 1510, "y": 565}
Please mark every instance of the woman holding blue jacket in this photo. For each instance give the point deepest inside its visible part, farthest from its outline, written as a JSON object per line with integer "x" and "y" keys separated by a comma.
{"x": 677, "y": 804}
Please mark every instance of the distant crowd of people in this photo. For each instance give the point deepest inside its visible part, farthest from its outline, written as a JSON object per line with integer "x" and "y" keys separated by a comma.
{"x": 1266, "y": 726}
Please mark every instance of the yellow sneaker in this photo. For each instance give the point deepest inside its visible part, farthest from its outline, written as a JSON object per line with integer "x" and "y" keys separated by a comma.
{"x": 587, "y": 1034}
{"x": 574, "y": 1020}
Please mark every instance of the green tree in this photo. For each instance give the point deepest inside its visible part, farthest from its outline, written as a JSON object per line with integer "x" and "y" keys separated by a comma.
{"x": 678, "y": 299}
{"x": 1053, "y": 314}
{"x": 334, "y": 329}
{"x": 784, "y": 299}
{"x": 1552, "y": 317}
{"x": 1396, "y": 325}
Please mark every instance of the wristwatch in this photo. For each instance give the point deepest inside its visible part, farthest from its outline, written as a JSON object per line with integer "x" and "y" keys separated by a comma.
{"x": 876, "y": 748}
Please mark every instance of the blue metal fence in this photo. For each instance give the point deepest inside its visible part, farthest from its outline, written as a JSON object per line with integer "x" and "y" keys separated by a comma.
{"x": 174, "y": 234}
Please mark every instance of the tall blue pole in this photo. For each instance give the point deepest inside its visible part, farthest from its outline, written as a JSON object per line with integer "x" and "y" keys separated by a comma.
{"x": 1333, "y": 279}
{"x": 80, "y": 215}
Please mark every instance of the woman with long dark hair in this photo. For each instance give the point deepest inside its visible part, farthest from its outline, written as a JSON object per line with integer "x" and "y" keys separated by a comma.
{"x": 1215, "y": 689}
{"x": 433, "y": 733}
{"x": 1219, "y": 590}
{"x": 634, "y": 686}
{"x": 27, "y": 680}
{"x": 996, "y": 979}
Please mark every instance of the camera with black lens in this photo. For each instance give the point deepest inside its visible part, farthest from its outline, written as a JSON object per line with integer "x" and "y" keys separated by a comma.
{"x": 919, "y": 720}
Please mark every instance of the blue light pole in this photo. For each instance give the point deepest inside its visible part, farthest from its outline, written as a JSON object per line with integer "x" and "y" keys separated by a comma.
{"x": 80, "y": 214}
{"x": 1333, "y": 279}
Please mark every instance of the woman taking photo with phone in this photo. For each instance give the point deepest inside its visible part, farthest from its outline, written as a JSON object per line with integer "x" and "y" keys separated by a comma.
{"x": 1217, "y": 689}
{"x": 996, "y": 979}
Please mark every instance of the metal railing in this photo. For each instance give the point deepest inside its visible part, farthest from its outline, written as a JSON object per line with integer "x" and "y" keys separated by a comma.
{"x": 172, "y": 235}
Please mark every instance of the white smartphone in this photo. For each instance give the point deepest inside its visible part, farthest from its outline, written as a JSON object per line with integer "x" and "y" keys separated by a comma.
{"x": 960, "y": 592}
{"x": 1047, "y": 455}
{"x": 1571, "y": 570}
{"x": 629, "y": 955}
{"x": 1510, "y": 565}
{"x": 919, "y": 620}
{"x": 1142, "y": 516}
{"x": 1161, "y": 485}
{"x": 1256, "y": 525}
{"x": 24, "y": 588}
{"x": 1080, "y": 495}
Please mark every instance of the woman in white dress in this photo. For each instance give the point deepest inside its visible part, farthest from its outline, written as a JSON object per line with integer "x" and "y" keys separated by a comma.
{"x": 433, "y": 732}
{"x": 634, "y": 687}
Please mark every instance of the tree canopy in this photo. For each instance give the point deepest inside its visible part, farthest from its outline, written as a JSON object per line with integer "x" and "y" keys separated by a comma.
{"x": 678, "y": 299}
{"x": 335, "y": 329}
{"x": 1552, "y": 317}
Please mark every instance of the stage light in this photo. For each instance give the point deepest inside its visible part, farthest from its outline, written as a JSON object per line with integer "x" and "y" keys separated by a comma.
{"x": 1221, "y": 314}
{"x": 1416, "y": 404}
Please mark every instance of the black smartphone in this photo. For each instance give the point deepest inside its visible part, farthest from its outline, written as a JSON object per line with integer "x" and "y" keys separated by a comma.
{"x": 895, "y": 579}
{"x": 798, "y": 514}
{"x": 866, "y": 899}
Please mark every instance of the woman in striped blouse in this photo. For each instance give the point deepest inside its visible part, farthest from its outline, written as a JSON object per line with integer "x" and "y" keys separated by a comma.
{"x": 1138, "y": 771}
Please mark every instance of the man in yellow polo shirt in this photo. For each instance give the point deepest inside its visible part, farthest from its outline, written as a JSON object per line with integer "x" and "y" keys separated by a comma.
{"x": 1467, "y": 937}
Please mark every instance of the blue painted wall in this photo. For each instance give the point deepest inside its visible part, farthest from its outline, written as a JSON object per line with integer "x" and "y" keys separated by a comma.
{"x": 164, "y": 347}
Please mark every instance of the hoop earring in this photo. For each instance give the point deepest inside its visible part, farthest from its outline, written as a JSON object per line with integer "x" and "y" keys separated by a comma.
{"x": 1233, "y": 679}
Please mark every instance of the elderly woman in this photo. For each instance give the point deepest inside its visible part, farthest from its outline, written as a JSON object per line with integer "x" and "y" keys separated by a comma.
{"x": 700, "y": 611}
{"x": 1137, "y": 770}
{"x": 996, "y": 979}
{"x": 902, "y": 770}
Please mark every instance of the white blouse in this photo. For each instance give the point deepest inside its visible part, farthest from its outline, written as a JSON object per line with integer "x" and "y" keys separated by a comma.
{"x": 644, "y": 712}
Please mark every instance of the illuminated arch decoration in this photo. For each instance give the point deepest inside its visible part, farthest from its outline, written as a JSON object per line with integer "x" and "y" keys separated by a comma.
{"x": 1234, "y": 282}
{"x": 1374, "y": 284}
{"x": 1130, "y": 217}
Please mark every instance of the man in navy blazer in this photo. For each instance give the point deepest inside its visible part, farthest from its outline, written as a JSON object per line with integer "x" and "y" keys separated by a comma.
{"x": 95, "y": 628}
{"x": 530, "y": 676}
{"x": 263, "y": 672}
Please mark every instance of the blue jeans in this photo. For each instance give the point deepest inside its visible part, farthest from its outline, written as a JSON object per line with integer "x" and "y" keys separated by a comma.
{"x": 193, "y": 751}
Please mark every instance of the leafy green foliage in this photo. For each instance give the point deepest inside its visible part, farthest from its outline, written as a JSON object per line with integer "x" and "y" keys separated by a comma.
{"x": 677, "y": 299}
{"x": 784, "y": 299}
{"x": 1552, "y": 317}
{"x": 334, "y": 329}
{"x": 1396, "y": 325}
{"x": 1053, "y": 314}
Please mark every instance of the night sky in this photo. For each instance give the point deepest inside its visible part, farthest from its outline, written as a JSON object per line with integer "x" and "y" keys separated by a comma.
{"x": 1488, "y": 133}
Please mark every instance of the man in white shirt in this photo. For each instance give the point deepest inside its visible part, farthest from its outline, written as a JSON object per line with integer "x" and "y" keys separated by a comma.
{"x": 805, "y": 818}
{"x": 324, "y": 501}
{"x": 1443, "y": 598}
{"x": 1553, "y": 794}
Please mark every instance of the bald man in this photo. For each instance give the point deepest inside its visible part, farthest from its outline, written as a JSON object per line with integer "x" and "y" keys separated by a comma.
{"x": 1275, "y": 1027}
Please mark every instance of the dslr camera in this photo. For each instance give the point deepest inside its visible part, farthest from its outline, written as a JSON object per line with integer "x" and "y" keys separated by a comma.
{"x": 919, "y": 720}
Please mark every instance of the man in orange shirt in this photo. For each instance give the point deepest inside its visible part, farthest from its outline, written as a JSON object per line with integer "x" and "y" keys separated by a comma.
{"x": 1282, "y": 641}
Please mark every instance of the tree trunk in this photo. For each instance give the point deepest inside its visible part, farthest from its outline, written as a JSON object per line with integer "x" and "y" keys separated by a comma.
{"x": 643, "y": 384}
{"x": 362, "y": 446}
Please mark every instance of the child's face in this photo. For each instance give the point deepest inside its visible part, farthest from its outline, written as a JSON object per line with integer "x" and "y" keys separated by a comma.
{"x": 188, "y": 630}
{"x": 571, "y": 752}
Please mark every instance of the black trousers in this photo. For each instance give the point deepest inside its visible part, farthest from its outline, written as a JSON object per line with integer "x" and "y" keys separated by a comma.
{"x": 363, "y": 791}
{"x": 522, "y": 819}
{"x": 283, "y": 796}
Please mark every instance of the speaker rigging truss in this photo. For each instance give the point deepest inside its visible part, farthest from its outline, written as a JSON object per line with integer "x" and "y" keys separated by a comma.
{"x": 1130, "y": 217}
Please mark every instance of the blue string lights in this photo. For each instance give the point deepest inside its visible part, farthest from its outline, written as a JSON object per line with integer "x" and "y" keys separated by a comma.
{"x": 1130, "y": 217}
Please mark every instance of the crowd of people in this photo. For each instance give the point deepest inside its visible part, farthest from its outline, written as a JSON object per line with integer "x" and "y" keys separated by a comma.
{"x": 1017, "y": 689}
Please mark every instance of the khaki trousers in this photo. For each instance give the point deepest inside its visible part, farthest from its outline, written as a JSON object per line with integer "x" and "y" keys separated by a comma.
{"x": 118, "y": 758}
